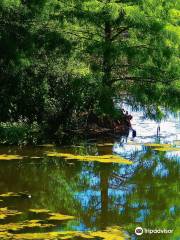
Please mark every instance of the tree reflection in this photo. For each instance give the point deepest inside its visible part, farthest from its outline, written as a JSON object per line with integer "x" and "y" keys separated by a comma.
{"x": 145, "y": 193}
{"x": 100, "y": 195}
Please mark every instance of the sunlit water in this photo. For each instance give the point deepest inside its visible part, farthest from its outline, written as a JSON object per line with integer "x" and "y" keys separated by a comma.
{"x": 147, "y": 129}
{"x": 98, "y": 195}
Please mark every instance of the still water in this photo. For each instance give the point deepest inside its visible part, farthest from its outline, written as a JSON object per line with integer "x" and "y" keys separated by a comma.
{"x": 102, "y": 200}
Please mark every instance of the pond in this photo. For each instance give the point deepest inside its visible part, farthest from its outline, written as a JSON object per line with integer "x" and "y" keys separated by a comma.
{"x": 48, "y": 192}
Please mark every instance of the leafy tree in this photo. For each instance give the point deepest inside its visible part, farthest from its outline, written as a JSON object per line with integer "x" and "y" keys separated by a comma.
{"x": 60, "y": 59}
{"x": 129, "y": 46}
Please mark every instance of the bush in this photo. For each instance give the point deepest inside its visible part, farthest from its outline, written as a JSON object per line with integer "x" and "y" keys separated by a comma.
{"x": 19, "y": 133}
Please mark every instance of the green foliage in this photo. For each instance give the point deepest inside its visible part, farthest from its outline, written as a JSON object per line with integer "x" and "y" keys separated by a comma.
{"x": 19, "y": 133}
{"x": 60, "y": 59}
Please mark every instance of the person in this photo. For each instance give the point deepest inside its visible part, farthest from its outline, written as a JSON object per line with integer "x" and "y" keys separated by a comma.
{"x": 158, "y": 131}
{"x": 133, "y": 133}
{"x": 128, "y": 120}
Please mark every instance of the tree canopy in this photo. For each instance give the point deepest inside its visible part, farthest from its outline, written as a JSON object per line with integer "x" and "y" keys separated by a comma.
{"x": 60, "y": 59}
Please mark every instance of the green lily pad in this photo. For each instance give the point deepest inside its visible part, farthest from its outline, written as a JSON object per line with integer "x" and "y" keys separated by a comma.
{"x": 159, "y": 145}
{"x": 39, "y": 210}
{"x": 89, "y": 158}
{"x": 59, "y": 217}
{"x": 167, "y": 149}
{"x": 111, "y": 233}
{"x": 10, "y": 157}
{"x": 5, "y": 212}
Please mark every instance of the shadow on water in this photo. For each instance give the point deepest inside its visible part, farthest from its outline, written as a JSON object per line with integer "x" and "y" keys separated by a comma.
{"x": 98, "y": 195}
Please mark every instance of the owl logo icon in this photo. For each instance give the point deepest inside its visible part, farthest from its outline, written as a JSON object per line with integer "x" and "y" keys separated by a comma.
{"x": 139, "y": 231}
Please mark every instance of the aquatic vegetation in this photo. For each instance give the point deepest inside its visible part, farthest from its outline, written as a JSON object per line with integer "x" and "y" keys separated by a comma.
{"x": 9, "y": 194}
{"x": 113, "y": 233}
{"x": 13, "y": 194}
{"x": 159, "y": 145}
{"x": 18, "y": 157}
{"x": 7, "y": 228}
{"x": 5, "y": 212}
{"x": 46, "y": 145}
{"x": 88, "y": 158}
{"x": 105, "y": 144}
{"x": 10, "y": 157}
{"x": 21, "y": 225}
{"x": 39, "y": 210}
{"x": 166, "y": 149}
{"x": 134, "y": 143}
{"x": 36, "y": 157}
{"x": 5, "y": 235}
{"x": 52, "y": 216}
{"x": 59, "y": 217}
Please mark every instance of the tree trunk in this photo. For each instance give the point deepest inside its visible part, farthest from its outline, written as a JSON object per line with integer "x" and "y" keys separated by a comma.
{"x": 107, "y": 54}
{"x": 104, "y": 185}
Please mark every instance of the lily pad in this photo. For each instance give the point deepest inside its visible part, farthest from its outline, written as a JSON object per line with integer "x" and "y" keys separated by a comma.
{"x": 89, "y": 158}
{"x": 46, "y": 145}
{"x": 167, "y": 149}
{"x": 5, "y": 212}
{"x": 21, "y": 225}
{"x": 5, "y": 235}
{"x": 10, "y": 157}
{"x": 9, "y": 194}
{"x": 60, "y": 217}
{"x": 113, "y": 233}
{"x": 159, "y": 145}
{"x": 13, "y": 194}
{"x": 134, "y": 143}
{"x": 39, "y": 210}
{"x": 105, "y": 144}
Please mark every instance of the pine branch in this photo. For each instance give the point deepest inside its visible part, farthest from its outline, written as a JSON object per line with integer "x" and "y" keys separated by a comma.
{"x": 141, "y": 66}
{"x": 145, "y": 79}
{"x": 120, "y": 30}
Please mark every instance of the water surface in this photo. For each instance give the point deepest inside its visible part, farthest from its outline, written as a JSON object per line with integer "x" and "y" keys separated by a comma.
{"x": 98, "y": 195}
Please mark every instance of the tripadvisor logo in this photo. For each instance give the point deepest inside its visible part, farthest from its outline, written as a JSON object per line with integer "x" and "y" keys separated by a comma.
{"x": 139, "y": 231}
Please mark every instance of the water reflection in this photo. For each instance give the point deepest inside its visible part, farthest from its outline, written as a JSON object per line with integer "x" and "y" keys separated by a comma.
{"x": 145, "y": 193}
{"x": 147, "y": 129}
{"x": 127, "y": 150}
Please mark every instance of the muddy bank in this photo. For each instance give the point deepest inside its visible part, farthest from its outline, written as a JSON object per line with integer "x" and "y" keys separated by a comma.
{"x": 102, "y": 127}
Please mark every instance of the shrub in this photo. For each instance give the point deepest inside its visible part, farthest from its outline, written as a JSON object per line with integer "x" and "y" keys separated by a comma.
{"x": 19, "y": 133}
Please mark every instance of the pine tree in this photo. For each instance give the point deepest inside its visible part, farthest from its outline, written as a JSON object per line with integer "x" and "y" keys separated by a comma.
{"x": 61, "y": 58}
{"x": 126, "y": 46}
